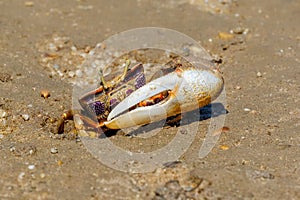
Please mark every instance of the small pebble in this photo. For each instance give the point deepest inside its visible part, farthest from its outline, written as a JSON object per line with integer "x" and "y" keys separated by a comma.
{"x": 238, "y": 30}
{"x": 60, "y": 162}
{"x": 1, "y": 136}
{"x": 56, "y": 66}
{"x": 238, "y": 87}
{"x": 225, "y": 129}
{"x": 31, "y": 167}
{"x": 54, "y": 150}
{"x": 247, "y": 109}
{"x": 3, "y": 113}
{"x": 45, "y": 94}
{"x": 4, "y": 77}
{"x": 78, "y": 73}
{"x": 52, "y": 47}
{"x": 12, "y": 149}
{"x": 259, "y": 174}
{"x": 71, "y": 74}
{"x": 31, "y": 151}
{"x": 21, "y": 176}
{"x": 73, "y": 48}
{"x": 29, "y": 3}
{"x": 259, "y": 74}
{"x": 87, "y": 7}
{"x": 88, "y": 49}
{"x": 3, "y": 122}
{"x": 60, "y": 73}
{"x": 25, "y": 117}
{"x": 220, "y": 130}
{"x": 246, "y": 31}
{"x": 52, "y": 120}
{"x": 224, "y": 147}
{"x": 42, "y": 175}
{"x": 225, "y": 36}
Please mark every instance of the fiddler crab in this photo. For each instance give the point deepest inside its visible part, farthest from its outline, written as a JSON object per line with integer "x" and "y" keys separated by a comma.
{"x": 128, "y": 101}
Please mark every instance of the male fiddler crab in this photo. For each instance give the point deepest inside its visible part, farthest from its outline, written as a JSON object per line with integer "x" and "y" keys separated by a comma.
{"x": 128, "y": 101}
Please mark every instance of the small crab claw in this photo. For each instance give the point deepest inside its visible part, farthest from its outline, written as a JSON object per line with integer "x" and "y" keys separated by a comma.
{"x": 187, "y": 90}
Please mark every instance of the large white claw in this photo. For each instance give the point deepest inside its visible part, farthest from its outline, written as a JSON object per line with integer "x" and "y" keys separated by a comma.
{"x": 188, "y": 89}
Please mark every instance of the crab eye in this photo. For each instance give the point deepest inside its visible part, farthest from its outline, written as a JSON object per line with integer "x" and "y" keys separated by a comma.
{"x": 97, "y": 107}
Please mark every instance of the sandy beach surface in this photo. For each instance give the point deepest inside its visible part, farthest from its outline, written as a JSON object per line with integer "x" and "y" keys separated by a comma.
{"x": 257, "y": 156}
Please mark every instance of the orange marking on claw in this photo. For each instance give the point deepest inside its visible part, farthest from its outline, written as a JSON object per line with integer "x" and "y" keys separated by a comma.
{"x": 174, "y": 91}
{"x": 179, "y": 71}
{"x": 152, "y": 100}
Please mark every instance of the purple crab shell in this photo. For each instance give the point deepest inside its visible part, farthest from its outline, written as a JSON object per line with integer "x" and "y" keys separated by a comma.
{"x": 97, "y": 107}
{"x": 140, "y": 81}
{"x": 113, "y": 103}
{"x": 128, "y": 92}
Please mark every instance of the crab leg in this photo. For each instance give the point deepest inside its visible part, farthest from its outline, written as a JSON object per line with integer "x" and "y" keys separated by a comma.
{"x": 188, "y": 88}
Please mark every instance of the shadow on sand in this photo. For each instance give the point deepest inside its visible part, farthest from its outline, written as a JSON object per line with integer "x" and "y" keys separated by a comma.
{"x": 197, "y": 115}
